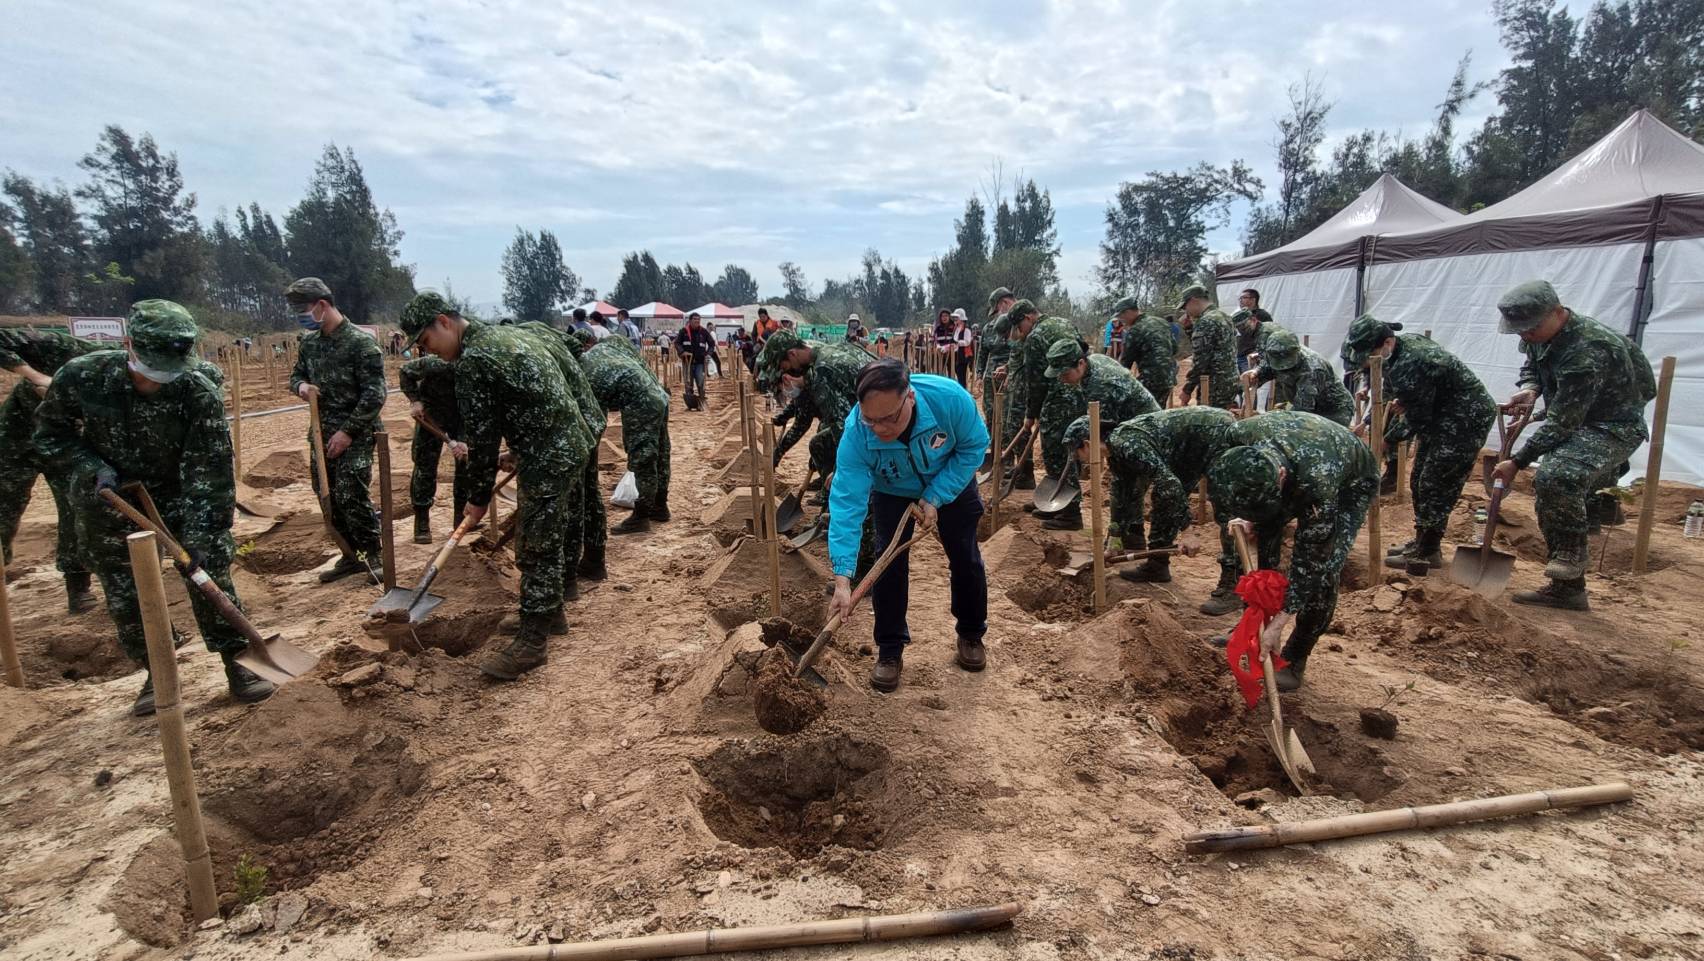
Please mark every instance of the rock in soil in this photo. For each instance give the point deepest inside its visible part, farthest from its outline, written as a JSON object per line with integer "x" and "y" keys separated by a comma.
{"x": 1379, "y": 723}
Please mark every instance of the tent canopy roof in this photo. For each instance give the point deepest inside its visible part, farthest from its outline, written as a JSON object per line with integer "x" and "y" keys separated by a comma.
{"x": 601, "y": 306}
{"x": 715, "y": 311}
{"x": 658, "y": 310}
{"x": 1388, "y": 206}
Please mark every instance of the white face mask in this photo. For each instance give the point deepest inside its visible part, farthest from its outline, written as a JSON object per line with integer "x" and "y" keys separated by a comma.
{"x": 157, "y": 376}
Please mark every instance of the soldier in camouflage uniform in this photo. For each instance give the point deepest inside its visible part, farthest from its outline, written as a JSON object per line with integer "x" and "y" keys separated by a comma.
{"x": 430, "y": 386}
{"x": 1442, "y": 404}
{"x": 992, "y": 351}
{"x": 1595, "y": 384}
{"x": 588, "y": 530}
{"x": 1306, "y": 381}
{"x": 1286, "y": 466}
{"x": 1046, "y": 400}
{"x": 621, "y": 383}
{"x": 35, "y": 355}
{"x": 345, "y": 368}
{"x": 1148, "y": 349}
{"x": 510, "y": 387}
{"x": 1086, "y": 377}
{"x": 1213, "y": 345}
{"x": 1014, "y": 325}
{"x": 150, "y": 415}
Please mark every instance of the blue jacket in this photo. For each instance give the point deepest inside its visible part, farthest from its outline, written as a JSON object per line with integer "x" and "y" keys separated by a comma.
{"x": 948, "y": 443}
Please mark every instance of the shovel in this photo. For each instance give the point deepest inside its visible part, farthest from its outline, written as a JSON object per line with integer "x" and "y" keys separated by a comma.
{"x": 272, "y": 658}
{"x": 400, "y": 604}
{"x": 324, "y": 491}
{"x": 1509, "y": 427}
{"x": 1054, "y": 494}
{"x": 791, "y": 510}
{"x": 1006, "y": 488}
{"x": 894, "y": 549}
{"x": 1081, "y": 561}
{"x": 1480, "y": 567}
{"x": 1285, "y": 744}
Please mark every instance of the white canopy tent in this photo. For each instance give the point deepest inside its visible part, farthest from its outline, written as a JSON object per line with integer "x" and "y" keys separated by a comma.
{"x": 1311, "y": 285}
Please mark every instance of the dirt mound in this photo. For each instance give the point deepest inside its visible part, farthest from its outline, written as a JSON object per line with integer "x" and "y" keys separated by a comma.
{"x": 737, "y": 585}
{"x": 800, "y": 794}
{"x": 1012, "y": 552}
{"x": 784, "y": 704}
{"x": 1051, "y": 596}
{"x": 298, "y": 544}
{"x": 279, "y": 469}
{"x": 479, "y": 589}
{"x": 729, "y": 517}
{"x": 84, "y": 646}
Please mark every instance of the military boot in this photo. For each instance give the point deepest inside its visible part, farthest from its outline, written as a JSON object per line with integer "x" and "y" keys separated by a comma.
{"x": 1289, "y": 677}
{"x": 660, "y": 512}
{"x": 527, "y": 651}
{"x": 1563, "y": 595}
{"x": 423, "y": 525}
{"x": 558, "y": 624}
{"x": 1567, "y": 561}
{"x": 1069, "y": 519}
{"x": 1154, "y": 570}
{"x": 143, "y": 706}
{"x": 571, "y": 588}
{"x": 636, "y": 522}
{"x": 1603, "y": 510}
{"x": 79, "y": 596}
{"x": 1426, "y": 549}
{"x": 1401, "y": 548}
{"x": 1224, "y": 599}
{"x": 246, "y": 686}
{"x": 346, "y": 566}
{"x": 884, "y": 676}
{"x": 591, "y": 565}
{"x": 1387, "y": 483}
{"x": 1024, "y": 479}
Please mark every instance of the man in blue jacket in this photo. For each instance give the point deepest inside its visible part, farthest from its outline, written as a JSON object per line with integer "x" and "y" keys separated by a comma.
{"x": 910, "y": 439}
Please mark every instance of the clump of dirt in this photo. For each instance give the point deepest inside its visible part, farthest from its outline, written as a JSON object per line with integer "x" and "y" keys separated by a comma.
{"x": 1051, "y": 596}
{"x": 784, "y": 704}
{"x": 305, "y": 787}
{"x": 279, "y": 469}
{"x": 800, "y": 794}
{"x": 298, "y": 544}
{"x": 479, "y": 591}
{"x": 80, "y": 647}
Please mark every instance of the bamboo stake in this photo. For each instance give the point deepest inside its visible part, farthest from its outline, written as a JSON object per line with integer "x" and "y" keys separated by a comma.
{"x": 168, "y": 711}
{"x": 1402, "y": 449}
{"x": 14, "y": 668}
{"x": 387, "y": 537}
{"x": 1097, "y": 522}
{"x": 999, "y": 421}
{"x": 748, "y": 435}
{"x": 769, "y": 519}
{"x": 237, "y": 416}
{"x": 1653, "y": 467}
{"x": 891, "y": 927}
{"x": 1259, "y": 836}
{"x": 1201, "y": 396}
{"x": 1375, "y": 400}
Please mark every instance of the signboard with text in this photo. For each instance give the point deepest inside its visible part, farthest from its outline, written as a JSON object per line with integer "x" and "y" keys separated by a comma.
{"x": 98, "y": 328}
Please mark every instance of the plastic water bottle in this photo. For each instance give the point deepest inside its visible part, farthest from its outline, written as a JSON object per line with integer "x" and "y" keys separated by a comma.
{"x": 1479, "y": 526}
{"x": 1695, "y": 520}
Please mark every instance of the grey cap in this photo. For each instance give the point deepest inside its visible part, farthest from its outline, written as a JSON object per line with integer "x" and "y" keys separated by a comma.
{"x": 1127, "y": 302}
{"x": 1525, "y": 305}
{"x": 1190, "y": 293}
{"x": 307, "y": 290}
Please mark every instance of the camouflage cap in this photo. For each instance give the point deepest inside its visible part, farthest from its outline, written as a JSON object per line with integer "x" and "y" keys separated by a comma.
{"x": 1241, "y": 317}
{"x": 1010, "y": 318}
{"x": 1077, "y": 433}
{"x": 1283, "y": 351}
{"x": 996, "y": 295}
{"x": 1127, "y": 302}
{"x": 162, "y": 333}
{"x": 1063, "y": 356}
{"x": 579, "y": 342}
{"x": 307, "y": 290}
{"x": 776, "y": 348}
{"x": 1525, "y": 305}
{"x": 1243, "y": 482}
{"x": 1190, "y": 293}
{"x": 1365, "y": 335}
{"x": 421, "y": 312}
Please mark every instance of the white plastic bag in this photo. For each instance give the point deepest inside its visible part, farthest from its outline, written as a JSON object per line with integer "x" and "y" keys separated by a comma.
{"x": 626, "y": 493}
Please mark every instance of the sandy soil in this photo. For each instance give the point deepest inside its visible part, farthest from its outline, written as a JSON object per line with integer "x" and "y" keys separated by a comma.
{"x": 401, "y": 805}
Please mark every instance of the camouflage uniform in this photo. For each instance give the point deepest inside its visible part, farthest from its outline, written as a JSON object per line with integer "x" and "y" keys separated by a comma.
{"x": 1213, "y": 344}
{"x": 1304, "y": 379}
{"x": 1167, "y": 452}
{"x": 1151, "y": 354}
{"x": 588, "y": 521}
{"x": 622, "y": 383}
{"x": 1332, "y": 480}
{"x": 993, "y": 350}
{"x": 349, "y": 370}
{"x": 20, "y": 462}
{"x": 432, "y": 383}
{"x": 175, "y": 442}
{"x": 1047, "y": 401}
{"x": 1121, "y": 397}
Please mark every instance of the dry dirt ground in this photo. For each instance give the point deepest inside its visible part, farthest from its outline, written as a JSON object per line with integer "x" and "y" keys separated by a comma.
{"x": 401, "y": 805}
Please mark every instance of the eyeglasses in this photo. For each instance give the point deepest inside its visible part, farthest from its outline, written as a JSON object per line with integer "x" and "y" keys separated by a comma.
{"x": 891, "y": 419}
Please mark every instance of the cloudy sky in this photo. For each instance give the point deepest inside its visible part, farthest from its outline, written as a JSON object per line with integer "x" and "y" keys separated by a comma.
{"x": 741, "y": 132}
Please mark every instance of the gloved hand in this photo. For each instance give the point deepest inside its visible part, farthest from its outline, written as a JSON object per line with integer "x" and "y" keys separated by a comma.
{"x": 106, "y": 479}
{"x": 197, "y": 561}
{"x": 781, "y": 418}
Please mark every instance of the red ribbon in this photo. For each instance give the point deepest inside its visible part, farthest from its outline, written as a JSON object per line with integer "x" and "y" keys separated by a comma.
{"x": 1264, "y": 592}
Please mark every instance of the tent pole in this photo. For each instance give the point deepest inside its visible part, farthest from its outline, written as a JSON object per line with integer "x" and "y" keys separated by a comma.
{"x": 1642, "y": 295}
{"x": 1360, "y": 280}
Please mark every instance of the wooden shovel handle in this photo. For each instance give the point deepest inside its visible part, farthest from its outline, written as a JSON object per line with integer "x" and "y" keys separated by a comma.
{"x": 315, "y": 432}
{"x": 895, "y": 546}
{"x": 431, "y": 428}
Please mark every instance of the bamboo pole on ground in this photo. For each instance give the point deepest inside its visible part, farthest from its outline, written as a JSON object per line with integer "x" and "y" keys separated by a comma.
{"x": 1258, "y": 836}
{"x": 769, "y": 519}
{"x": 387, "y": 536}
{"x": 14, "y": 668}
{"x": 1653, "y": 467}
{"x": 891, "y": 927}
{"x": 998, "y": 419}
{"x": 168, "y": 712}
{"x": 1097, "y": 520}
{"x": 1375, "y": 398}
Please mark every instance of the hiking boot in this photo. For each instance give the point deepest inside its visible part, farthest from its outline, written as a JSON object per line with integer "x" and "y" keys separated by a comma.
{"x": 79, "y": 596}
{"x": 246, "y": 686}
{"x": 636, "y": 523}
{"x": 525, "y": 652}
{"x": 1069, "y": 519}
{"x": 591, "y": 565}
{"x": 346, "y": 566}
{"x": 144, "y": 704}
{"x": 1387, "y": 483}
{"x": 423, "y": 525}
{"x": 884, "y": 676}
{"x": 558, "y": 624}
{"x": 1423, "y": 554}
{"x": 1566, "y": 564}
{"x": 1223, "y": 600}
{"x": 571, "y": 588}
{"x": 971, "y": 656}
{"x": 1401, "y": 548}
{"x": 1289, "y": 678}
{"x": 1603, "y": 510}
{"x": 1153, "y": 570}
{"x": 660, "y": 513}
{"x": 1025, "y": 480}
{"x": 1562, "y": 595}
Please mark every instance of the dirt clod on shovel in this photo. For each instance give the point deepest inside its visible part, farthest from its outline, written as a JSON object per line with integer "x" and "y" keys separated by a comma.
{"x": 784, "y": 704}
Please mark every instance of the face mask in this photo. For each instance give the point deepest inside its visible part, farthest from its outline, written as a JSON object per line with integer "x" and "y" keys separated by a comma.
{"x": 306, "y": 321}
{"x": 157, "y": 376}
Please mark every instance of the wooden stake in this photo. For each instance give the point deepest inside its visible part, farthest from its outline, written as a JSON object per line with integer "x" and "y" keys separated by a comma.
{"x": 1402, "y": 449}
{"x": 237, "y": 415}
{"x": 387, "y": 537}
{"x": 1653, "y": 467}
{"x": 1097, "y": 522}
{"x": 1201, "y": 396}
{"x": 769, "y": 519}
{"x": 1375, "y": 397}
{"x": 999, "y": 421}
{"x": 748, "y": 435}
{"x": 14, "y": 668}
{"x": 168, "y": 712}
{"x": 1260, "y": 836}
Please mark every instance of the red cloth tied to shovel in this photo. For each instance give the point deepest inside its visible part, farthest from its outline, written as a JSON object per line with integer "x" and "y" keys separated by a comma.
{"x": 1263, "y": 591}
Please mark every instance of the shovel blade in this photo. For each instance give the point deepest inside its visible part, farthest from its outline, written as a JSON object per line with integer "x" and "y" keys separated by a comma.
{"x": 398, "y": 604}
{"x": 277, "y": 660}
{"x": 1054, "y": 494}
{"x": 1298, "y": 754}
{"x": 807, "y": 535}
{"x": 1482, "y": 569}
{"x": 795, "y": 654}
{"x": 788, "y": 513}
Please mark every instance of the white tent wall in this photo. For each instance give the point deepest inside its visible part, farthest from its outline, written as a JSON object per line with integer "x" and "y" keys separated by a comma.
{"x": 1319, "y": 304}
{"x": 1676, "y": 328}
